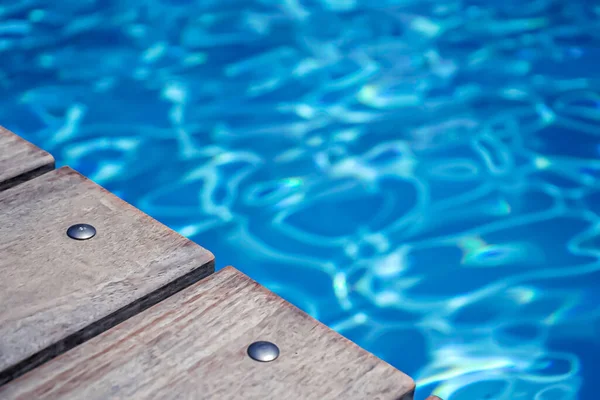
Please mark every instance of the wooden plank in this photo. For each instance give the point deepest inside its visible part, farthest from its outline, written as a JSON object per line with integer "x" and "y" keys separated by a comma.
{"x": 56, "y": 292}
{"x": 20, "y": 160}
{"x": 193, "y": 345}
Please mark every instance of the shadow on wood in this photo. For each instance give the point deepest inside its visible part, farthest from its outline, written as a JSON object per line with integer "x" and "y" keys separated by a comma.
{"x": 20, "y": 160}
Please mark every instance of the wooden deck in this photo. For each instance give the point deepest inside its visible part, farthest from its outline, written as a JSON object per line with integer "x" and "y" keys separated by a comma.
{"x": 55, "y": 291}
{"x": 136, "y": 312}
{"x": 20, "y": 160}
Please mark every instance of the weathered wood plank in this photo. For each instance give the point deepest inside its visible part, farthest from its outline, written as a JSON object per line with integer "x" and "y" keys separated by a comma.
{"x": 20, "y": 160}
{"x": 56, "y": 292}
{"x": 193, "y": 345}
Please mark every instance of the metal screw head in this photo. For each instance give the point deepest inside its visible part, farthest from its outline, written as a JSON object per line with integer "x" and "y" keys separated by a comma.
{"x": 263, "y": 351}
{"x": 81, "y": 232}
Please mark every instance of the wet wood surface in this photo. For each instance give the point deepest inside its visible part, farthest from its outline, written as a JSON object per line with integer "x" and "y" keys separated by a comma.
{"x": 20, "y": 160}
{"x": 193, "y": 345}
{"x": 56, "y": 292}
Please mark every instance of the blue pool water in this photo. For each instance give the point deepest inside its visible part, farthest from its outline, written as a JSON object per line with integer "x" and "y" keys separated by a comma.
{"x": 421, "y": 175}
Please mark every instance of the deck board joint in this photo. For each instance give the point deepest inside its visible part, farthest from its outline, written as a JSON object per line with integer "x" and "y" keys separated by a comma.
{"x": 21, "y": 160}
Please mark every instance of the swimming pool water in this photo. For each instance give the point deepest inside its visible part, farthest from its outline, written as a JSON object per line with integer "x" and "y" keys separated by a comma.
{"x": 422, "y": 176}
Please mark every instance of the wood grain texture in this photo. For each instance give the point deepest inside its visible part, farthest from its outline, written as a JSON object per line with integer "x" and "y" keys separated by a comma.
{"x": 20, "y": 160}
{"x": 193, "y": 345}
{"x": 56, "y": 292}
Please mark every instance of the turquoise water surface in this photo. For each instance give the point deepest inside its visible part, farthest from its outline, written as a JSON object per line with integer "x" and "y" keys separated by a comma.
{"x": 422, "y": 176}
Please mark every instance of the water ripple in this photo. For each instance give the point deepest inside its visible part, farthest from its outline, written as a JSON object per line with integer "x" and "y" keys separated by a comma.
{"x": 422, "y": 176}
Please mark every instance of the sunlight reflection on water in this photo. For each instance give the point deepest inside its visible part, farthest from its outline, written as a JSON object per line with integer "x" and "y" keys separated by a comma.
{"x": 422, "y": 176}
